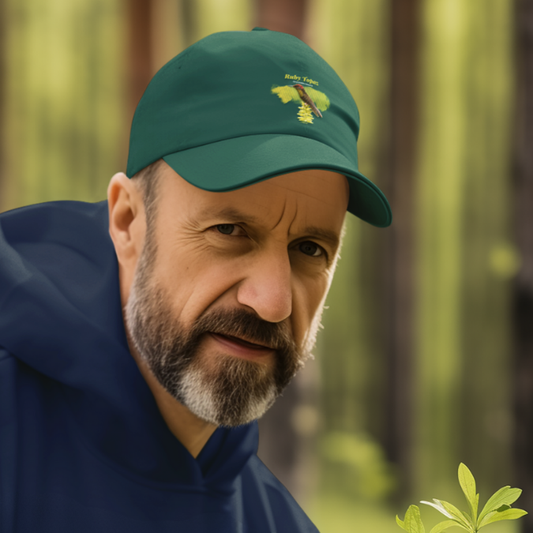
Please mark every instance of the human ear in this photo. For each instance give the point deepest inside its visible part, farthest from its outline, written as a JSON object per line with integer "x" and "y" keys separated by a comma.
{"x": 127, "y": 222}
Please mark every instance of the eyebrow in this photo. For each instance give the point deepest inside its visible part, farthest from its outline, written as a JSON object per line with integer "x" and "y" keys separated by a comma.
{"x": 234, "y": 215}
{"x": 324, "y": 234}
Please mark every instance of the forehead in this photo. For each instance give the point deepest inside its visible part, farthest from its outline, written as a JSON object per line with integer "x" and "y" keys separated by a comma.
{"x": 317, "y": 197}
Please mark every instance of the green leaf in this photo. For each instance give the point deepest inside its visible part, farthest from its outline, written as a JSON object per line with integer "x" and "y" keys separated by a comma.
{"x": 503, "y": 508}
{"x": 449, "y": 511}
{"x": 439, "y": 508}
{"x": 496, "y": 516}
{"x": 468, "y": 484}
{"x": 463, "y": 519}
{"x": 505, "y": 496}
{"x": 412, "y": 521}
{"x": 400, "y": 522}
{"x": 441, "y": 526}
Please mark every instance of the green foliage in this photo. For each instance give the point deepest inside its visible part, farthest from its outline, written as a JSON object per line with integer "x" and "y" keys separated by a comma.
{"x": 412, "y": 521}
{"x": 497, "y": 508}
{"x": 357, "y": 465}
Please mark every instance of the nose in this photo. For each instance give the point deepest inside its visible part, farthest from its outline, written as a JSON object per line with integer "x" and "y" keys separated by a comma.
{"x": 266, "y": 287}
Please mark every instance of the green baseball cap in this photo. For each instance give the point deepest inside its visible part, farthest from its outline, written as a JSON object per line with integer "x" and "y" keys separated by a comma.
{"x": 237, "y": 108}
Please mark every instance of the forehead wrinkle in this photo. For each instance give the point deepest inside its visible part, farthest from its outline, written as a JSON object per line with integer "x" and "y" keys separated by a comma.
{"x": 230, "y": 213}
{"x": 304, "y": 193}
{"x": 282, "y": 214}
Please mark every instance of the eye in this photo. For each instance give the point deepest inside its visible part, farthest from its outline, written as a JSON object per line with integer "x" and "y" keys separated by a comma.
{"x": 226, "y": 229}
{"x": 230, "y": 229}
{"x": 310, "y": 248}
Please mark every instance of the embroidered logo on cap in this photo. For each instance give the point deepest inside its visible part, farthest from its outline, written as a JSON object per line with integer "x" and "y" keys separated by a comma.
{"x": 311, "y": 100}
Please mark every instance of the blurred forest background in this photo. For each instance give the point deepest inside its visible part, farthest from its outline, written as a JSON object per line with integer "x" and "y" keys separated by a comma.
{"x": 426, "y": 356}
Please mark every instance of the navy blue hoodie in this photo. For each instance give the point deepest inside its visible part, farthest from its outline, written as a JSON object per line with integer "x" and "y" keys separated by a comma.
{"x": 83, "y": 447}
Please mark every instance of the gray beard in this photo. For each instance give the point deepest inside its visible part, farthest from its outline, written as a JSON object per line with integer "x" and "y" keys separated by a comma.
{"x": 224, "y": 390}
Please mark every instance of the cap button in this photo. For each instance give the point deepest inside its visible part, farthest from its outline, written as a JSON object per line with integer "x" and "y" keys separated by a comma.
{"x": 257, "y": 28}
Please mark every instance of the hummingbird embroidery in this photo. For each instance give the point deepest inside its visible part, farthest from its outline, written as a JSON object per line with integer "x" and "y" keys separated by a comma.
{"x": 304, "y": 97}
{"x": 310, "y": 100}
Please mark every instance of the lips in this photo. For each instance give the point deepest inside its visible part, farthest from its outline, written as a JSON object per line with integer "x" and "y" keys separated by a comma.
{"x": 242, "y": 342}
{"x": 240, "y": 348}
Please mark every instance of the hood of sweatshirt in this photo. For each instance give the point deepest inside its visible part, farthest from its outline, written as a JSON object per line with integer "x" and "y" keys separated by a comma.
{"x": 60, "y": 314}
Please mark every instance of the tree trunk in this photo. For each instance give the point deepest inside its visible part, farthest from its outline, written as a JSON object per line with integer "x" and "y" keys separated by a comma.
{"x": 523, "y": 287}
{"x": 139, "y": 51}
{"x": 287, "y": 16}
{"x": 399, "y": 272}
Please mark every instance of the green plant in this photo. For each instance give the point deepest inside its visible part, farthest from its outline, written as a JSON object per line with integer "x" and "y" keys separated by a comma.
{"x": 497, "y": 508}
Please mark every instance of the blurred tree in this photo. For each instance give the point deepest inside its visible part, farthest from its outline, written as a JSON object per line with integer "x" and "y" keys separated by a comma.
{"x": 210, "y": 16}
{"x": 63, "y": 106}
{"x": 439, "y": 185}
{"x": 488, "y": 257}
{"x": 398, "y": 267}
{"x": 353, "y": 36}
{"x": 464, "y": 252}
{"x": 140, "y": 54}
{"x": 287, "y": 16}
{"x": 523, "y": 286}
{"x": 189, "y": 24}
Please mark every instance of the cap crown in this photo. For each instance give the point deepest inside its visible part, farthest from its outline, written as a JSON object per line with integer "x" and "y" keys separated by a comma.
{"x": 221, "y": 88}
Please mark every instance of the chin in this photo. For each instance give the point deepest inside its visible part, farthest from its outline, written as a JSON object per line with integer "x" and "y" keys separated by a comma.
{"x": 234, "y": 393}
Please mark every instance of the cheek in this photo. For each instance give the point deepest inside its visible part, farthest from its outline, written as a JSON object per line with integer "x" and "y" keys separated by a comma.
{"x": 194, "y": 280}
{"x": 307, "y": 303}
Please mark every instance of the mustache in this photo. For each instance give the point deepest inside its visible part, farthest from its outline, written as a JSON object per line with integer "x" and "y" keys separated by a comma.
{"x": 247, "y": 326}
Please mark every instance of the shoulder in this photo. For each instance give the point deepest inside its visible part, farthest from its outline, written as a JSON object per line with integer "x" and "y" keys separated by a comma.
{"x": 65, "y": 206}
{"x": 33, "y": 222}
{"x": 36, "y": 239}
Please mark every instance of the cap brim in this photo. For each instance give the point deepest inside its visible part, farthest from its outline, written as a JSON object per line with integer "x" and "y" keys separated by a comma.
{"x": 235, "y": 163}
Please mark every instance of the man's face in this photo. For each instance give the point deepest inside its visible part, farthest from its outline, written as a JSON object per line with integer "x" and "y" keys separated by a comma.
{"x": 228, "y": 291}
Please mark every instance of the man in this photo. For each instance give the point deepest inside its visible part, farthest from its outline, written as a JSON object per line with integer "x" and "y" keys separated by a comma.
{"x": 142, "y": 337}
